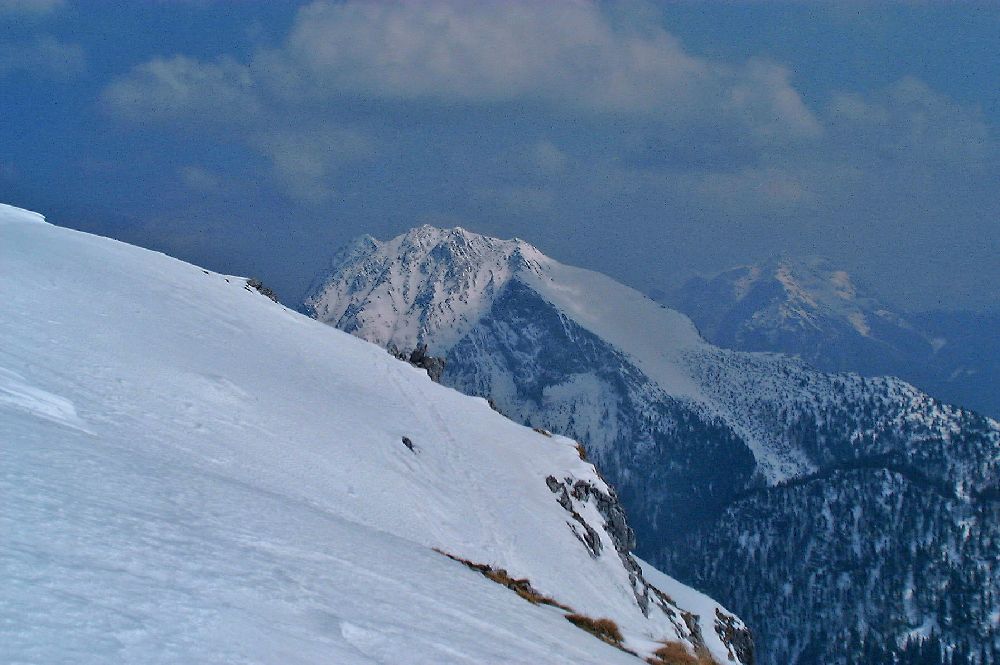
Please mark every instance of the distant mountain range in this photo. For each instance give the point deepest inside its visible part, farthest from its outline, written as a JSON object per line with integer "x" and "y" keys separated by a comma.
{"x": 847, "y": 519}
{"x": 966, "y": 366}
{"x": 808, "y": 308}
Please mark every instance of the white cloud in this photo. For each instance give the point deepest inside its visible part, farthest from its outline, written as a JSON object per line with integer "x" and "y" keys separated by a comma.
{"x": 199, "y": 178}
{"x": 42, "y": 55}
{"x": 182, "y": 88}
{"x": 561, "y": 58}
{"x": 752, "y": 191}
{"x": 738, "y": 133}
{"x": 303, "y": 150}
{"x": 29, "y": 8}
{"x": 566, "y": 56}
{"x": 910, "y": 121}
{"x": 304, "y": 159}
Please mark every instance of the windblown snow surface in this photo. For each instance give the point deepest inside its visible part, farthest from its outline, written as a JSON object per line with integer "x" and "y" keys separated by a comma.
{"x": 192, "y": 473}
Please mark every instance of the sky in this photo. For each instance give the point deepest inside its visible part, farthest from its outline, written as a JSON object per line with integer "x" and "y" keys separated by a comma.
{"x": 649, "y": 141}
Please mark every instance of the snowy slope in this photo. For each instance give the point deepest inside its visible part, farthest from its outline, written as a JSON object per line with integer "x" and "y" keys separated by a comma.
{"x": 718, "y": 455}
{"x": 192, "y": 473}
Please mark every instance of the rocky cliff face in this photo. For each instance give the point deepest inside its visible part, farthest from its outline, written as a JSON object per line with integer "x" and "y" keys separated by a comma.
{"x": 576, "y": 497}
{"x": 815, "y": 504}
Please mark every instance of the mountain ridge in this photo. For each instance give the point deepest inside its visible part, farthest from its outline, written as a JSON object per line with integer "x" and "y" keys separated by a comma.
{"x": 684, "y": 429}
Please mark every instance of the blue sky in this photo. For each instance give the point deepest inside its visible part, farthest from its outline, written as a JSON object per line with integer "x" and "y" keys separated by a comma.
{"x": 649, "y": 141}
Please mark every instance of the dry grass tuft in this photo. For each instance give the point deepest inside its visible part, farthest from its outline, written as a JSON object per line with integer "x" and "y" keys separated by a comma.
{"x": 520, "y": 586}
{"x": 604, "y": 629}
{"x": 675, "y": 653}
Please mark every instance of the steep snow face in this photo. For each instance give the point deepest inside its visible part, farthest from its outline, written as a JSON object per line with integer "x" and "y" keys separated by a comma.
{"x": 193, "y": 473}
{"x": 706, "y": 443}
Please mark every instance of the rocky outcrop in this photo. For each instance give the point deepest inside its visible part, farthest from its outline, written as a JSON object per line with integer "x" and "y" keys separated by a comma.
{"x": 572, "y": 494}
{"x": 735, "y": 636}
{"x": 576, "y": 496}
{"x": 590, "y": 538}
{"x": 259, "y": 287}
{"x": 434, "y": 365}
{"x": 418, "y": 357}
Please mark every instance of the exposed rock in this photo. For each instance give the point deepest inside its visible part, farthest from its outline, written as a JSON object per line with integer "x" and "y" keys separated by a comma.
{"x": 493, "y": 405}
{"x": 617, "y": 528}
{"x": 419, "y": 357}
{"x": 259, "y": 287}
{"x": 433, "y": 364}
{"x": 590, "y": 538}
{"x": 572, "y": 494}
{"x": 737, "y": 639}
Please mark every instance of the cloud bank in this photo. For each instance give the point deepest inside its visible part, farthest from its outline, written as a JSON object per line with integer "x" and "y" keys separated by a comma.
{"x": 572, "y": 115}
{"x": 42, "y": 55}
{"x": 561, "y": 58}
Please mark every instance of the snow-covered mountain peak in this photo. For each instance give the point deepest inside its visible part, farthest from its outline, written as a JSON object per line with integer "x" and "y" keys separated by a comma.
{"x": 810, "y": 282}
{"x": 814, "y": 309}
{"x": 459, "y": 242}
{"x": 426, "y": 281}
{"x": 431, "y": 285}
{"x": 766, "y": 306}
